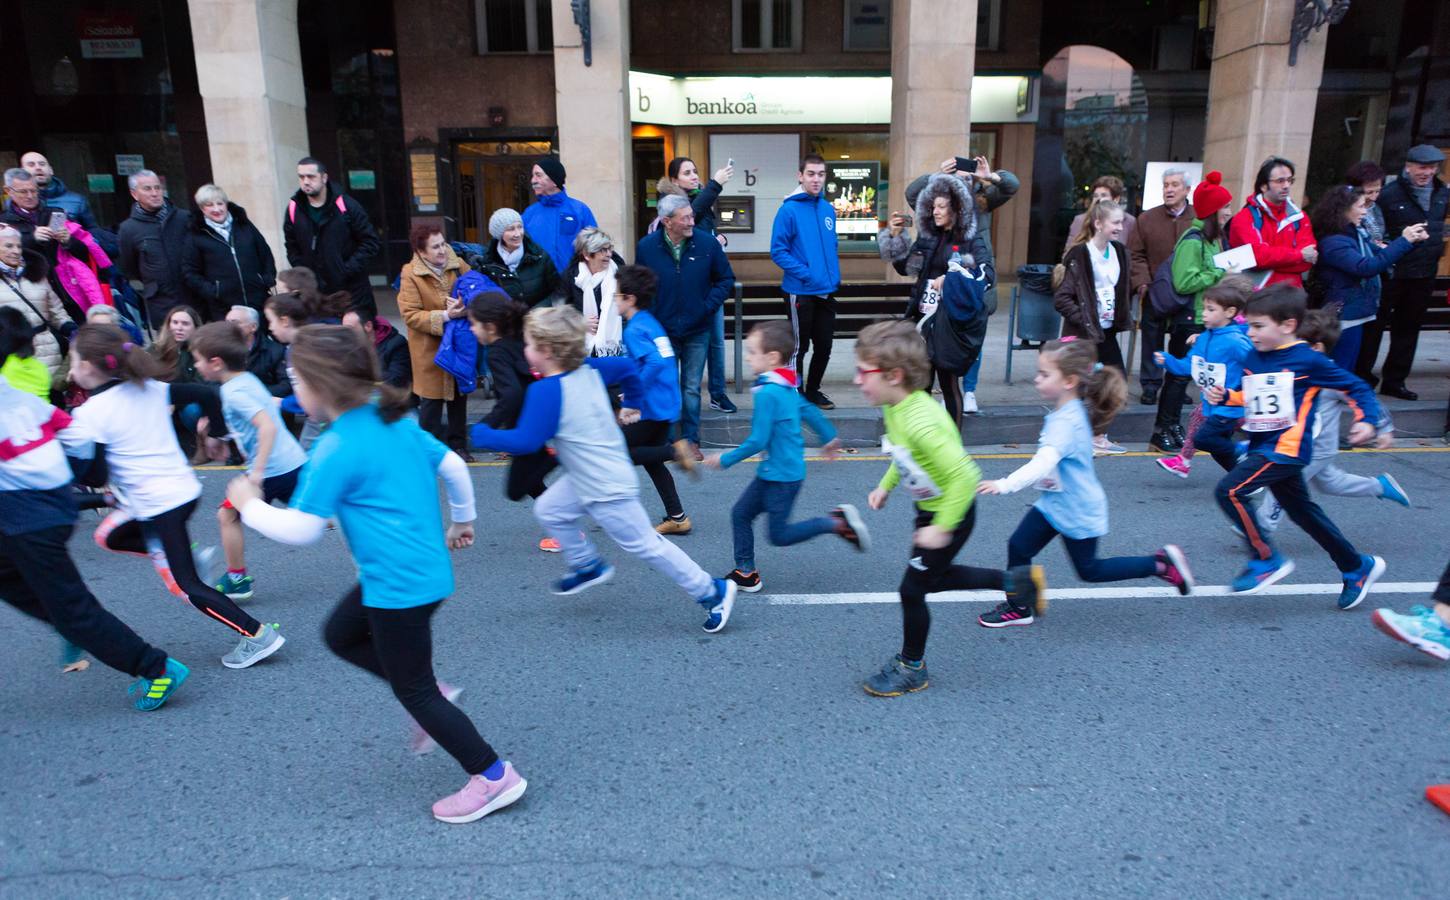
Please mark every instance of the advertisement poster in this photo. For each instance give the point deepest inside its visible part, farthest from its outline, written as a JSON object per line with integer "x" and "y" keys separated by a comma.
{"x": 851, "y": 189}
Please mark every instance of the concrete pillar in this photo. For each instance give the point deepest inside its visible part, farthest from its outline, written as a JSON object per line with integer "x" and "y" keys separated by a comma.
{"x": 249, "y": 68}
{"x": 593, "y": 108}
{"x": 1258, "y": 105}
{"x": 933, "y": 55}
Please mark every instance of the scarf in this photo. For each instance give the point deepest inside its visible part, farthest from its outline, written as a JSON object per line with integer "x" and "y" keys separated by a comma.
{"x": 511, "y": 258}
{"x": 607, "y": 339}
{"x": 1421, "y": 194}
{"x": 28, "y": 215}
{"x": 382, "y": 329}
{"x": 436, "y": 270}
{"x": 782, "y": 376}
{"x": 13, "y": 273}
{"x": 223, "y": 228}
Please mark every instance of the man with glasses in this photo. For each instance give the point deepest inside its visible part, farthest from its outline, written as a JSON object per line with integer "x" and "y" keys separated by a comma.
{"x": 1279, "y": 231}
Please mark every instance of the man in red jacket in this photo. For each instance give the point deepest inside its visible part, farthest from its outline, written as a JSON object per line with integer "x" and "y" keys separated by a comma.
{"x": 1279, "y": 231}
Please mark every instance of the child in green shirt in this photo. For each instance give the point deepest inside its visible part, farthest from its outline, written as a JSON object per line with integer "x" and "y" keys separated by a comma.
{"x": 21, "y": 368}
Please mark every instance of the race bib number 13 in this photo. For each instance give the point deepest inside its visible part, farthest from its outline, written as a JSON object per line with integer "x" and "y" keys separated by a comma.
{"x": 1268, "y": 401}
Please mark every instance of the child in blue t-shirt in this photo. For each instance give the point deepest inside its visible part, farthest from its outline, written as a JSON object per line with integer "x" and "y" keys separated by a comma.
{"x": 376, "y": 473}
{"x": 274, "y": 458}
{"x": 775, "y": 427}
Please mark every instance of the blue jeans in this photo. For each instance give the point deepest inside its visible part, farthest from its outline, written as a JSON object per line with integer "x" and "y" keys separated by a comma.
{"x": 1035, "y": 532}
{"x": 775, "y": 499}
{"x": 969, "y": 380}
{"x": 691, "y": 351}
{"x": 717, "y": 356}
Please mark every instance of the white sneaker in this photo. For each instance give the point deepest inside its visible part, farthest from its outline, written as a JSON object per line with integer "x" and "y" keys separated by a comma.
{"x": 252, "y": 650}
{"x": 969, "y": 403}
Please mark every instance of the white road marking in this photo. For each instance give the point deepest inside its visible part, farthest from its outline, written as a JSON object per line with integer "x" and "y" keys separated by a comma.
{"x": 1091, "y": 593}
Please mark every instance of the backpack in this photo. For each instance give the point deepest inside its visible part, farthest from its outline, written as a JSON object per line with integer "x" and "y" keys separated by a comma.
{"x": 1162, "y": 294}
{"x": 292, "y": 209}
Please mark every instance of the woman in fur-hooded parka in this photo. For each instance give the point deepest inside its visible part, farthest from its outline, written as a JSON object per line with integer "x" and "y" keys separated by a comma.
{"x": 927, "y": 256}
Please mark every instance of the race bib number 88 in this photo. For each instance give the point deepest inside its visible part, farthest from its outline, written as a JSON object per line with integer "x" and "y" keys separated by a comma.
{"x": 1268, "y": 401}
{"x": 1207, "y": 375}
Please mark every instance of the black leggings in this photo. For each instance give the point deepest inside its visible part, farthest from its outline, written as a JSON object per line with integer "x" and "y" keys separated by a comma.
{"x": 170, "y": 529}
{"x": 38, "y": 578}
{"x": 649, "y": 446}
{"x": 951, "y": 392}
{"x": 932, "y": 572}
{"x": 397, "y": 646}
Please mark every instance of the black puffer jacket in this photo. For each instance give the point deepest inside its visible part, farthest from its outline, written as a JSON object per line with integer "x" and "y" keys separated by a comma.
{"x": 152, "y": 247}
{"x": 267, "y": 360}
{"x": 338, "y": 248}
{"x": 928, "y": 255}
{"x": 222, "y": 273}
{"x": 535, "y": 280}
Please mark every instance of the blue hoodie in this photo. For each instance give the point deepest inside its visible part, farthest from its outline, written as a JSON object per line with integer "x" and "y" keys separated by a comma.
{"x": 803, "y": 244}
{"x": 553, "y": 221}
{"x": 775, "y": 427}
{"x": 1227, "y": 345}
{"x": 659, "y": 371}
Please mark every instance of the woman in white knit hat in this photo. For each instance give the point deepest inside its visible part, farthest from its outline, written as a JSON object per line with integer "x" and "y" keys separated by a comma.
{"x": 515, "y": 262}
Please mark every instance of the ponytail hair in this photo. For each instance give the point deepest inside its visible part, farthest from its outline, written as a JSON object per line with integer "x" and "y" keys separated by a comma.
{"x": 339, "y": 365}
{"x": 1096, "y": 214}
{"x": 1103, "y": 390}
{"x": 111, "y": 351}
{"x": 499, "y": 310}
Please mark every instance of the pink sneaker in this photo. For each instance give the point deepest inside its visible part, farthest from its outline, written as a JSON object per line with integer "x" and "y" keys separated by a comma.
{"x": 1176, "y": 465}
{"x": 418, "y": 740}
{"x": 480, "y": 797}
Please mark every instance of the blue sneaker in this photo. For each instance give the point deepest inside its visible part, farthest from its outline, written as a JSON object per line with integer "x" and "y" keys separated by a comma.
{"x": 582, "y": 579}
{"x": 897, "y": 678}
{"x": 719, "y": 605}
{"x": 1392, "y": 489}
{"x": 1358, "y": 582}
{"x": 149, "y": 693}
{"x": 1260, "y": 573}
{"x": 1421, "y": 629}
{"x": 236, "y": 587}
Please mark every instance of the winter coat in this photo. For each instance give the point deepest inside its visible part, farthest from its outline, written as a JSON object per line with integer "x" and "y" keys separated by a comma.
{"x": 1076, "y": 298}
{"x": 1278, "y": 237}
{"x": 41, "y": 306}
{"x": 49, "y": 250}
{"x": 995, "y": 193}
{"x": 458, "y": 354}
{"x": 927, "y": 257}
{"x": 532, "y": 283}
{"x": 1401, "y": 210}
{"x": 422, "y": 301}
{"x": 84, "y": 275}
{"x": 77, "y": 207}
{"x": 152, "y": 247}
{"x": 1154, "y": 236}
{"x": 803, "y": 244}
{"x": 1193, "y": 268}
{"x": 511, "y": 377}
{"x": 554, "y": 221}
{"x": 1349, "y": 268}
{"x": 267, "y": 359}
{"x": 222, "y": 273}
{"x": 394, "y": 359}
{"x": 691, "y": 290}
{"x": 702, "y": 202}
{"x": 338, "y": 248}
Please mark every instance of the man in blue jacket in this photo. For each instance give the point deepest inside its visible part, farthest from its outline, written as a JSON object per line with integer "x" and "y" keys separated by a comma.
{"x": 555, "y": 218}
{"x": 803, "y": 244}
{"x": 694, "y": 280}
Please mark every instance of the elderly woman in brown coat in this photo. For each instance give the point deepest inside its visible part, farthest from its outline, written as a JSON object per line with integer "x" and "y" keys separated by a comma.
{"x": 424, "y": 302}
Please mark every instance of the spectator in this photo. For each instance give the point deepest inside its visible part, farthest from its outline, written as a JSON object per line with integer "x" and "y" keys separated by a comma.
{"x": 683, "y": 177}
{"x": 803, "y": 245}
{"x": 1150, "y": 246}
{"x": 426, "y": 305}
{"x": 1417, "y": 196}
{"x": 28, "y": 215}
{"x": 329, "y": 233}
{"x": 153, "y": 242}
{"x": 554, "y": 218}
{"x": 394, "y": 360}
{"x": 1368, "y": 178}
{"x": 1104, "y": 187}
{"x": 515, "y": 262}
{"x": 226, "y": 260}
{"x": 109, "y": 315}
{"x": 54, "y": 193}
{"x": 694, "y": 280}
{"x": 1279, "y": 232}
{"x": 25, "y": 288}
{"x": 266, "y": 358}
{"x": 171, "y": 347}
{"x": 594, "y": 270}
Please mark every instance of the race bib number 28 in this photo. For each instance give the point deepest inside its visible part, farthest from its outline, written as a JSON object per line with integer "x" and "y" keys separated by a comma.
{"x": 1268, "y": 401}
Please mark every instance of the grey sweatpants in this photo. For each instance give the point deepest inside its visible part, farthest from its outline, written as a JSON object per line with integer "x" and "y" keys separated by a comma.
{"x": 1324, "y": 477}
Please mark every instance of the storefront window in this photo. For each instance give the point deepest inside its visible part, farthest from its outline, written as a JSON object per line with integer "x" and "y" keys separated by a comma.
{"x": 856, "y": 182}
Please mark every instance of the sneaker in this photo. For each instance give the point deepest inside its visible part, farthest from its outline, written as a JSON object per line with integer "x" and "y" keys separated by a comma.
{"x": 236, "y": 587}
{"x": 671, "y": 525}
{"x": 969, "y": 403}
{"x": 723, "y": 404}
{"x": 1175, "y": 465}
{"x": 252, "y": 650}
{"x": 685, "y": 457}
{"x": 1104, "y": 447}
{"x": 896, "y": 678}
{"x": 1004, "y": 614}
{"x": 749, "y": 582}
{"x": 1358, "y": 582}
{"x": 420, "y": 742}
{"x": 1421, "y": 629}
{"x": 1178, "y": 574}
{"x": 72, "y": 658}
{"x": 548, "y": 545}
{"x": 596, "y": 572}
{"x": 851, "y": 527}
{"x": 820, "y": 400}
{"x": 1027, "y": 588}
{"x": 1392, "y": 489}
{"x": 720, "y": 604}
{"x": 149, "y": 693}
{"x": 480, "y": 797}
{"x": 1260, "y": 573}
{"x": 1165, "y": 441}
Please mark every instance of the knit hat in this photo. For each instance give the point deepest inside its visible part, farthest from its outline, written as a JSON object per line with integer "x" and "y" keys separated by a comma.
{"x": 502, "y": 220}
{"x": 552, "y": 168}
{"x": 1210, "y": 196}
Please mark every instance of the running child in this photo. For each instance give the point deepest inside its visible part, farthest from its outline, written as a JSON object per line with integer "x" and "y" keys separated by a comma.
{"x": 274, "y": 458}
{"x": 21, "y": 369}
{"x": 894, "y": 372}
{"x": 1283, "y": 379}
{"x": 570, "y": 407}
{"x": 1085, "y": 396}
{"x": 125, "y": 427}
{"x": 377, "y": 473}
{"x": 288, "y": 312}
{"x": 37, "y": 516}
{"x": 775, "y": 427}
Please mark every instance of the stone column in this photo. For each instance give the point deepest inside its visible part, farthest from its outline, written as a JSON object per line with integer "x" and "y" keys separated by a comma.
{"x": 1258, "y": 105}
{"x": 933, "y": 56}
{"x": 592, "y": 105}
{"x": 249, "y": 68}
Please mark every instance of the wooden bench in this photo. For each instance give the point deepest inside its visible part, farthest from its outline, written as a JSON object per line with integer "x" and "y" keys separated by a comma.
{"x": 1437, "y": 317}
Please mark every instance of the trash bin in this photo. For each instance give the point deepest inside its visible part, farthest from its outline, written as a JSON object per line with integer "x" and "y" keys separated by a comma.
{"x": 1034, "y": 318}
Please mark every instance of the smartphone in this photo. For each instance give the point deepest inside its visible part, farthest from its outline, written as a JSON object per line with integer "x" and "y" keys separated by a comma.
{"x": 57, "y": 220}
{"x": 730, "y": 162}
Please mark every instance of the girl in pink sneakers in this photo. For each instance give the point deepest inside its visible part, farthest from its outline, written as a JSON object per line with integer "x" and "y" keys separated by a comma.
{"x": 377, "y": 474}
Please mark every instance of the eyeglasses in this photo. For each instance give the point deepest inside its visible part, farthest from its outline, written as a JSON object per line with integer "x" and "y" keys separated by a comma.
{"x": 1286, "y": 180}
{"x": 863, "y": 372}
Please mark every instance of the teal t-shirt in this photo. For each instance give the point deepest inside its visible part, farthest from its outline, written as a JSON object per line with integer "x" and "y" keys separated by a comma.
{"x": 380, "y": 482}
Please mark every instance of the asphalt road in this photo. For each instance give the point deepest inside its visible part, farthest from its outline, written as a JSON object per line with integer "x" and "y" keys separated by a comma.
{"x": 1123, "y": 746}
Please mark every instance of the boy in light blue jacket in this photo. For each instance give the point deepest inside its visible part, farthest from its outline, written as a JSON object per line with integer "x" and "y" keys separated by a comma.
{"x": 775, "y": 428}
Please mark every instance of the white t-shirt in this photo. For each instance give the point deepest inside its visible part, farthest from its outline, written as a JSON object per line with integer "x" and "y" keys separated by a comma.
{"x": 1106, "y": 272}
{"x": 145, "y": 462}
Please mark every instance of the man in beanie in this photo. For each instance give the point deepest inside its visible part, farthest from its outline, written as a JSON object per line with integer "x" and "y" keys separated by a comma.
{"x": 555, "y": 218}
{"x": 1283, "y": 241}
{"x": 514, "y": 261}
{"x": 1417, "y": 196}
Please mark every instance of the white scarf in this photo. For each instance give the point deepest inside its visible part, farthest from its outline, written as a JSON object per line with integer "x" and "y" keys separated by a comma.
{"x": 511, "y": 258}
{"x": 607, "y": 340}
{"x": 223, "y": 228}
